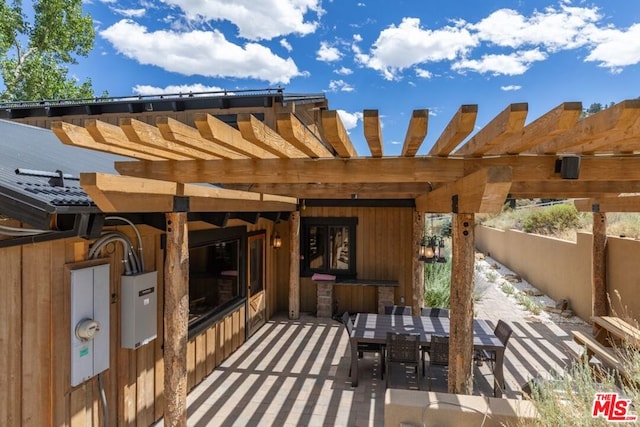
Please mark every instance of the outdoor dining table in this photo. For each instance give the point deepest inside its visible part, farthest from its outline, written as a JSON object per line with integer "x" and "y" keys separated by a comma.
{"x": 373, "y": 328}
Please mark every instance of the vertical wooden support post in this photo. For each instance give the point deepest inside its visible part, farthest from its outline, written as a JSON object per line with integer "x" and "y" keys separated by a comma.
{"x": 599, "y": 269}
{"x": 418, "y": 266}
{"x": 461, "y": 318}
{"x": 294, "y": 265}
{"x": 176, "y": 316}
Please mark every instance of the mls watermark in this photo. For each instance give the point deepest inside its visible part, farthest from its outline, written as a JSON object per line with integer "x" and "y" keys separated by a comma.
{"x": 612, "y": 408}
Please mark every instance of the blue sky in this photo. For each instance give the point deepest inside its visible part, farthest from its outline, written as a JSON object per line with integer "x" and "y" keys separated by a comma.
{"x": 394, "y": 56}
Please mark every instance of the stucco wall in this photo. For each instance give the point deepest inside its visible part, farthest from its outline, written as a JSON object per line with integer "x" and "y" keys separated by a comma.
{"x": 562, "y": 269}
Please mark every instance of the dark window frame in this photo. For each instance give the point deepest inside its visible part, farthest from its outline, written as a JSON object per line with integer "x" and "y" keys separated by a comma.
{"x": 305, "y": 251}
{"x": 203, "y": 238}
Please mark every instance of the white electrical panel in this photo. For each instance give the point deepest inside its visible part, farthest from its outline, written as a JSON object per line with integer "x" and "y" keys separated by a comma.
{"x": 139, "y": 309}
{"x": 89, "y": 322}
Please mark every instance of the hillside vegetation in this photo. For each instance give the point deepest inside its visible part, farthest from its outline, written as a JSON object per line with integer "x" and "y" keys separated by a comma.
{"x": 560, "y": 220}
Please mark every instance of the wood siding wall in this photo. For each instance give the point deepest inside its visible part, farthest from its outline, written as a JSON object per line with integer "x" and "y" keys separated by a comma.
{"x": 35, "y": 339}
{"x": 383, "y": 252}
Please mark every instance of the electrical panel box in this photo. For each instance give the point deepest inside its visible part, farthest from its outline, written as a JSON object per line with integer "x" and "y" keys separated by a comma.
{"x": 89, "y": 322}
{"x": 139, "y": 309}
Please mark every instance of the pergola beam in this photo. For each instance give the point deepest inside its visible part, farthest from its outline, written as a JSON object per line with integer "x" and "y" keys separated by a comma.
{"x": 571, "y": 188}
{"x": 460, "y": 126}
{"x": 509, "y": 122}
{"x": 599, "y": 125}
{"x": 266, "y": 138}
{"x": 145, "y": 134}
{"x": 378, "y": 190}
{"x": 113, "y": 135}
{"x": 300, "y": 136}
{"x": 336, "y": 135}
{"x": 559, "y": 120}
{"x": 372, "y": 132}
{"x": 368, "y": 170}
{"x": 609, "y": 204}
{"x": 416, "y": 132}
{"x": 217, "y": 131}
{"x": 174, "y": 130}
{"x": 113, "y": 193}
{"x": 80, "y": 137}
{"x": 484, "y": 191}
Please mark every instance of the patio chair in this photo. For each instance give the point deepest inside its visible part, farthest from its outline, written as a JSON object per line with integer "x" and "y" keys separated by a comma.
{"x": 404, "y": 350}
{"x": 438, "y": 353}
{"x": 398, "y": 310}
{"x": 434, "y": 312}
{"x": 364, "y": 347}
{"x": 503, "y": 331}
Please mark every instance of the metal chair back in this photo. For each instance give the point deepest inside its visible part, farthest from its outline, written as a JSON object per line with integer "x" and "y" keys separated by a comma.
{"x": 403, "y": 348}
{"x": 503, "y": 331}
{"x": 439, "y": 350}
{"x": 434, "y": 312}
{"x": 398, "y": 310}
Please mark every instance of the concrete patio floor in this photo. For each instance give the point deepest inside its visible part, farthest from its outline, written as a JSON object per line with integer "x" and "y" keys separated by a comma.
{"x": 295, "y": 373}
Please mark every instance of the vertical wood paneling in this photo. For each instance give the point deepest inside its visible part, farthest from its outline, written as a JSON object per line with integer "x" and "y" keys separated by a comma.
{"x": 78, "y": 406}
{"x": 383, "y": 252}
{"x": 35, "y": 307}
{"x": 201, "y": 357}
{"x": 36, "y": 335}
{"x": 60, "y": 346}
{"x": 210, "y": 362}
{"x": 159, "y": 341}
{"x": 191, "y": 364}
{"x": 11, "y": 336}
{"x": 228, "y": 336}
{"x": 219, "y": 343}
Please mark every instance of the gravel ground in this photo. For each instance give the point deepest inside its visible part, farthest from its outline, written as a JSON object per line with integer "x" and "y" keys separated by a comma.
{"x": 491, "y": 277}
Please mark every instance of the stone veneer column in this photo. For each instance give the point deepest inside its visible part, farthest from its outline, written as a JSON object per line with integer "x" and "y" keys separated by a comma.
{"x": 385, "y": 297}
{"x": 325, "y": 300}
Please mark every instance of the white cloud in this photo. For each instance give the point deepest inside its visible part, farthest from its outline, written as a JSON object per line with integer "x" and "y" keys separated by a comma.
{"x": 514, "y": 64}
{"x": 408, "y": 44}
{"x": 510, "y": 88}
{"x": 616, "y": 48}
{"x": 130, "y": 13}
{"x": 552, "y": 29}
{"x": 511, "y": 42}
{"x": 343, "y": 71}
{"x": 340, "y": 86}
{"x": 174, "y": 89}
{"x": 425, "y": 74}
{"x": 328, "y": 53}
{"x": 396, "y": 142}
{"x": 206, "y": 53}
{"x": 262, "y": 20}
{"x": 349, "y": 120}
{"x": 285, "y": 44}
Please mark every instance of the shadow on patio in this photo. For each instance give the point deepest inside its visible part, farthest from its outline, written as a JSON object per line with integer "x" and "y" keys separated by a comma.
{"x": 295, "y": 373}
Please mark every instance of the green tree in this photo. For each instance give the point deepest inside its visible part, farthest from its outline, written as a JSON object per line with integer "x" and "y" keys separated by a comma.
{"x": 36, "y": 49}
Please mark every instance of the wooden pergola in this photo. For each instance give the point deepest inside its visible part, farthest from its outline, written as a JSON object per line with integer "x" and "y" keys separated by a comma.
{"x": 257, "y": 167}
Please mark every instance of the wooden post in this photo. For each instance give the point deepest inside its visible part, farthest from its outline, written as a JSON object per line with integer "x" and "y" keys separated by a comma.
{"x": 461, "y": 317}
{"x": 176, "y": 317}
{"x": 294, "y": 265}
{"x": 418, "y": 266}
{"x": 599, "y": 262}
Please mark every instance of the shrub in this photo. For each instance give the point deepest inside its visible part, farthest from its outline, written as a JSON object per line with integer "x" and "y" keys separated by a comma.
{"x": 553, "y": 219}
{"x": 567, "y": 398}
{"x": 437, "y": 284}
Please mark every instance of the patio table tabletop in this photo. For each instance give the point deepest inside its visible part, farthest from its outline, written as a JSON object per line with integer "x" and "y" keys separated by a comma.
{"x": 373, "y": 328}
